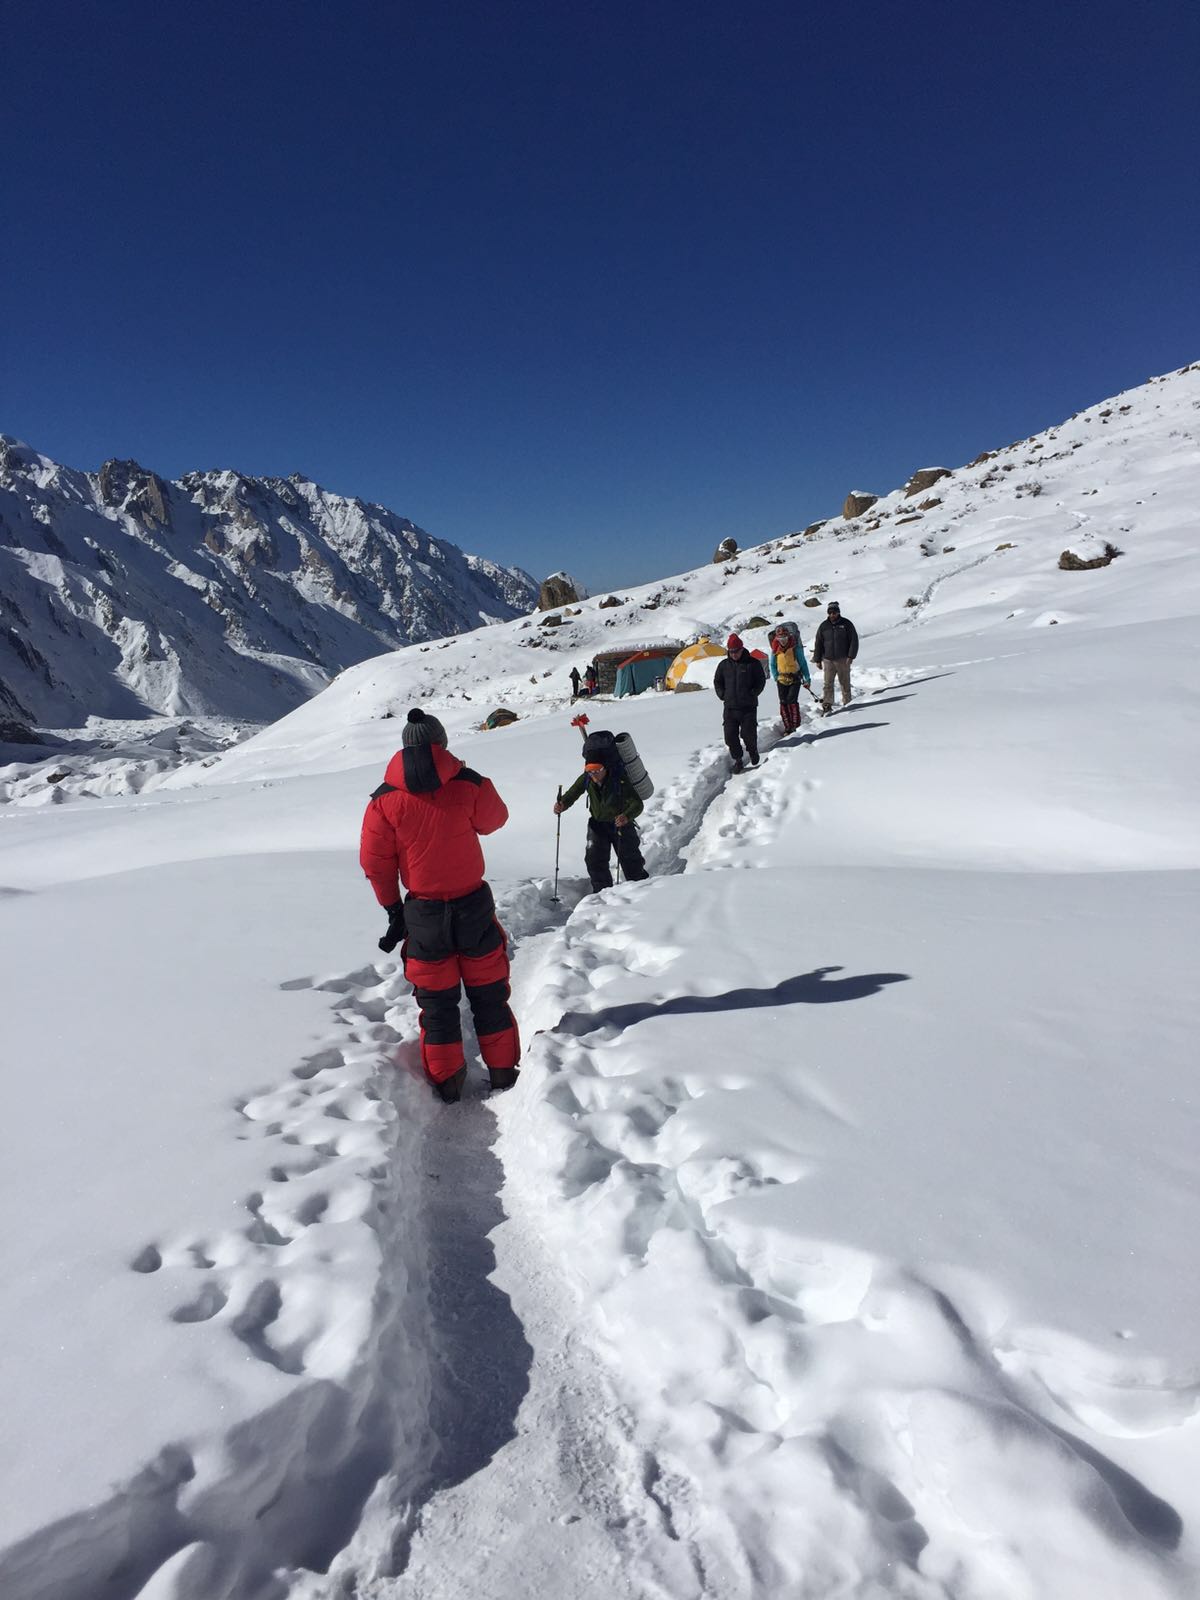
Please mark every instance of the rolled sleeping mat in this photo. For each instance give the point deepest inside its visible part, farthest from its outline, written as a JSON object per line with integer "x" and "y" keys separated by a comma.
{"x": 635, "y": 771}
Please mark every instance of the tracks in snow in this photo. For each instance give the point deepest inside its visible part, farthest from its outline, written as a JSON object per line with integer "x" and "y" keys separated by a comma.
{"x": 359, "y": 1277}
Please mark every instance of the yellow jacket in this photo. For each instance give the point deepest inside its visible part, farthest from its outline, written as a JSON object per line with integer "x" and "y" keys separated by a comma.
{"x": 787, "y": 668}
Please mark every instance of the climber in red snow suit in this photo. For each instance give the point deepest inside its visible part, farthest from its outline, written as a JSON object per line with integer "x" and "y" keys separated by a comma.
{"x": 421, "y": 831}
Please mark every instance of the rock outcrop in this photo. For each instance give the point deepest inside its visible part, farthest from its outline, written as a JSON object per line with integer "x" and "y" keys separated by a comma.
{"x": 856, "y": 503}
{"x": 924, "y": 479}
{"x": 726, "y": 550}
{"x": 1070, "y": 562}
{"x": 558, "y": 590}
{"x": 126, "y": 486}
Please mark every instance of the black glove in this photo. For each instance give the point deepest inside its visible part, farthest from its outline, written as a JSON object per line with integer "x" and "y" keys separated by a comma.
{"x": 396, "y": 929}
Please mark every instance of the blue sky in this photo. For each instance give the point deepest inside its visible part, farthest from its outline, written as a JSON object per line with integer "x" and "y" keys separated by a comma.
{"x": 589, "y": 285}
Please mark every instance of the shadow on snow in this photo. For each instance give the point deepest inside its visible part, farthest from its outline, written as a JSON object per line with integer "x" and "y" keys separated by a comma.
{"x": 807, "y": 988}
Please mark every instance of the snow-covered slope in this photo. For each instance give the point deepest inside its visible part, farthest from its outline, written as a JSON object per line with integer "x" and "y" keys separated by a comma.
{"x": 123, "y": 595}
{"x": 977, "y": 553}
{"x": 838, "y": 1239}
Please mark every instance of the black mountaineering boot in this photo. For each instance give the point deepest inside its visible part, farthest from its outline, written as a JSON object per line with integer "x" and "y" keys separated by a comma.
{"x": 503, "y": 1077}
{"x": 450, "y": 1089}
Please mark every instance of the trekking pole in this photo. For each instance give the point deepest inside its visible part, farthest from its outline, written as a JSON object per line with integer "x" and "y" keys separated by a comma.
{"x": 557, "y": 843}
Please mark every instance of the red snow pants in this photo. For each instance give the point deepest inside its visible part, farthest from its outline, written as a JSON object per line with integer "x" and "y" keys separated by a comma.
{"x": 451, "y": 945}
{"x": 789, "y": 705}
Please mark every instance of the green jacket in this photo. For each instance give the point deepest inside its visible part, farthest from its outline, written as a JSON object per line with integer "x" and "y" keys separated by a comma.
{"x": 601, "y": 802}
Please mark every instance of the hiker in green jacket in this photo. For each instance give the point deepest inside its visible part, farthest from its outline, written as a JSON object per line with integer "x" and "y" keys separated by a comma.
{"x": 613, "y": 803}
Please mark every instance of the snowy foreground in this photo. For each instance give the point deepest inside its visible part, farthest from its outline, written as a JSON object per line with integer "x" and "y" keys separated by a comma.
{"x": 840, "y": 1236}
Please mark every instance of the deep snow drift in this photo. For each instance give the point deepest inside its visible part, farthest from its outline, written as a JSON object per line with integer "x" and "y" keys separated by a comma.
{"x": 839, "y": 1237}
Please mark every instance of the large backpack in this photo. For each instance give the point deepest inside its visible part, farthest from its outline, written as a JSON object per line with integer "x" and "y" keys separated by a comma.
{"x": 600, "y": 745}
{"x": 620, "y": 755}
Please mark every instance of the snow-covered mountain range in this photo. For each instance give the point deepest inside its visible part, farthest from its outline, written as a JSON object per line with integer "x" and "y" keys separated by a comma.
{"x": 123, "y": 595}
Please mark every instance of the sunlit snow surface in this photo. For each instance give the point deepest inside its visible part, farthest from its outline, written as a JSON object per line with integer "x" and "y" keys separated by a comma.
{"x": 840, "y": 1236}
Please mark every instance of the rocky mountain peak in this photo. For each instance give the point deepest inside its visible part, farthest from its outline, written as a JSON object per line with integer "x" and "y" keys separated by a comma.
{"x": 128, "y": 486}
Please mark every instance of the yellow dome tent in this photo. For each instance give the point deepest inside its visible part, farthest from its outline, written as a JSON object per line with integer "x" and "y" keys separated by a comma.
{"x": 678, "y": 669}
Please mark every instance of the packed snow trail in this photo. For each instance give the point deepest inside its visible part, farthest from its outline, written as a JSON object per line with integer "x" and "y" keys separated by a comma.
{"x": 524, "y": 1465}
{"x": 536, "y": 1486}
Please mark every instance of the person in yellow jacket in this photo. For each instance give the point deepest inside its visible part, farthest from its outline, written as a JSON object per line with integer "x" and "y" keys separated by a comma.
{"x": 789, "y": 668}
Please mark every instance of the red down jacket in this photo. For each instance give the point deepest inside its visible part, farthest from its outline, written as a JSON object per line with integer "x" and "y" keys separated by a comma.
{"x": 429, "y": 842}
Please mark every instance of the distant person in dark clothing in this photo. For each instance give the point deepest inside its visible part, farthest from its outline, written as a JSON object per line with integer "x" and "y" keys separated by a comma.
{"x": 834, "y": 648}
{"x": 613, "y": 803}
{"x": 421, "y": 833}
{"x": 574, "y": 675}
{"x": 739, "y": 681}
{"x": 591, "y": 678}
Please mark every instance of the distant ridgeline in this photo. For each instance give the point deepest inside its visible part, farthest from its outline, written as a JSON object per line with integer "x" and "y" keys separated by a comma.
{"x": 122, "y": 594}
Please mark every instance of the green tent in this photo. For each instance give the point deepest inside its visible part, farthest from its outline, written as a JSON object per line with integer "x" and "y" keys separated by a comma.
{"x": 643, "y": 671}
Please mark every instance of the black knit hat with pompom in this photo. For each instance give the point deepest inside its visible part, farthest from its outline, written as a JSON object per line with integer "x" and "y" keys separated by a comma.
{"x": 421, "y": 728}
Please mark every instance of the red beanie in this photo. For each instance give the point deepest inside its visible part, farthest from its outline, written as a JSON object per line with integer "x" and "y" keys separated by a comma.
{"x": 733, "y": 642}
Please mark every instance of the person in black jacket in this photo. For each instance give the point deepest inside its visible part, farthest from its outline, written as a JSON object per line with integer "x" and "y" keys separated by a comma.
{"x": 834, "y": 648}
{"x": 739, "y": 681}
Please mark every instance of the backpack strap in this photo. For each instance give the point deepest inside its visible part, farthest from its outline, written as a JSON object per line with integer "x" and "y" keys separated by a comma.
{"x": 384, "y": 788}
{"x": 469, "y": 775}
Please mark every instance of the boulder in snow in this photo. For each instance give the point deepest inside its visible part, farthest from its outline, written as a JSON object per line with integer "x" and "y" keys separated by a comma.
{"x": 925, "y": 478}
{"x": 1087, "y": 553}
{"x": 857, "y": 502}
{"x": 559, "y": 589}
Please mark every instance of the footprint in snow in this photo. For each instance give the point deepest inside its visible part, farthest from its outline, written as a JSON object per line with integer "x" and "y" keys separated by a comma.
{"x": 262, "y": 1308}
{"x": 148, "y": 1259}
{"x": 323, "y": 1061}
{"x": 210, "y": 1300}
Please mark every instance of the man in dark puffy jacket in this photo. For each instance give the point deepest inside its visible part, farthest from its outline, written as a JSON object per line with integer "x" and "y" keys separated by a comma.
{"x": 421, "y": 830}
{"x": 613, "y": 803}
{"x": 738, "y": 682}
{"x": 834, "y": 648}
